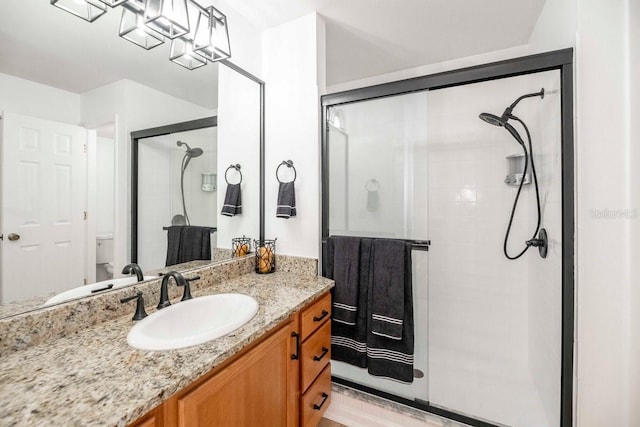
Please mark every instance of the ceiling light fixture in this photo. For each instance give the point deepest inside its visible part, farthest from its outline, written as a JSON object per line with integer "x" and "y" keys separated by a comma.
{"x": 197, "y": 34}
{"x": 132, "y": 28}
{"x": 168, "y": 17}
{"x": 89, "y": 10}
{"x": 212, "y": 36}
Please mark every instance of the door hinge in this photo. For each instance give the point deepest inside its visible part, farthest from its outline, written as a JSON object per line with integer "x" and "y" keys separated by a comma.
{"x": 85, "y": 215}
{"x": 1, "y": 236}
{"x": 85, "y": 280}
{"x": 84, "y": 147}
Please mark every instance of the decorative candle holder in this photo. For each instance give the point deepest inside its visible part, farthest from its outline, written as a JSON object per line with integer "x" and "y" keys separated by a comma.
{"x": 265, "y": 256}
{"x": 240, "y": 246}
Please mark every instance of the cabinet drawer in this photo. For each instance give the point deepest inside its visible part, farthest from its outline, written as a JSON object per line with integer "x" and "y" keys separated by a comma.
{"x": 316, "y": 400}
{"x": 315, "y": 354}
{"x": 312, "y": 317}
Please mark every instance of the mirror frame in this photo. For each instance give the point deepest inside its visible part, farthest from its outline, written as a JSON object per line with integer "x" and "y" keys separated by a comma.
{"x": 193, "y": 125}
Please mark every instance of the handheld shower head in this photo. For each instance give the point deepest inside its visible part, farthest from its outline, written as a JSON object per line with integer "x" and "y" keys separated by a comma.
{"x": 492, "y": 119}
{"x": 195, "y": 152}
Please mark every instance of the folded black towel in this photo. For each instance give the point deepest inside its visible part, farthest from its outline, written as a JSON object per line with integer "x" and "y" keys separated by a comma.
{"x": 349, "y": 342}
{"x": 393, "y": 358}
{"x": 286, "y": 207}
{"x": 232, "y": 201}
{"x": 389, "y": 278}
{"x": 345, "y": 272}
{"x": 188, "y": 243}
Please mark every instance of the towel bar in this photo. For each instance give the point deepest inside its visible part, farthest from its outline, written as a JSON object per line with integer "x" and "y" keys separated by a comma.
{"x": 211, "y": 229}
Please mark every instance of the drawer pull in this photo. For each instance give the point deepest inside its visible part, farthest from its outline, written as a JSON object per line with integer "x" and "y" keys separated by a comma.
{"x": 324, "y": 399}
{"x": 297, "y": 337}
{"x": 325, "y": 350}
{"x": 325, "y": 313}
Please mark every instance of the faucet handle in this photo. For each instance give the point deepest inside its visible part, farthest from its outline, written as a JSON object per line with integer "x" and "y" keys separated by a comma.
{"x": 187, "y": 288}
{"x": 140, "y": 312}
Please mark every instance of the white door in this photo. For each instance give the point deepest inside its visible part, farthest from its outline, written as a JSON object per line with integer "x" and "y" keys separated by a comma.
{"x": 43, "y": 203}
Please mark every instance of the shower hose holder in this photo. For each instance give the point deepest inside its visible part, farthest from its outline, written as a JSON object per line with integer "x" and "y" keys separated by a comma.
{"x": 542, "y": 243}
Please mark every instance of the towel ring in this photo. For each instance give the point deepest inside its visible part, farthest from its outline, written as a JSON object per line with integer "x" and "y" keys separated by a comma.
{"x": 373, "y": 183}
{"x": 289, "y": 164}
{"x": 236, "y": 167}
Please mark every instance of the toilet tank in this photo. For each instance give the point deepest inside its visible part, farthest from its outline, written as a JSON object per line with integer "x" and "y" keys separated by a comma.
{"x": 104, "y": 248}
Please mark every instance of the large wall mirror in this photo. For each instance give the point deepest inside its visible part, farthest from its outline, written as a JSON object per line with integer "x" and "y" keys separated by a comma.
{"x": 79, "y": 198}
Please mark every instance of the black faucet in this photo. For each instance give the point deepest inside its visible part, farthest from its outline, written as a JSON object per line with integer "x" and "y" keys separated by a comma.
{"x": 164, "y": 291}
{"x": 133, "y": 268}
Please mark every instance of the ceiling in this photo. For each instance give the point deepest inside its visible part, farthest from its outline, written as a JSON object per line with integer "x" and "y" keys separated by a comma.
{"x": 365, "y": 38}
{"x": 42, "y": 43}
{"x": 371, "y": 37}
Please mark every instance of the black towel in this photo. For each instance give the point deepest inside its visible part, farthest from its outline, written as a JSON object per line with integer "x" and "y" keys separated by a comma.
{"x": 389, "y": 270}
{"x": 392, "y": 358}
{"x": 286, "y": 207}
{"x": 349, "y": 343}
{"x": 173, "y": 244}
{"x": 188, "y": 243}
{"x": 345, "y": 272}
{"x": 232, "y": 201}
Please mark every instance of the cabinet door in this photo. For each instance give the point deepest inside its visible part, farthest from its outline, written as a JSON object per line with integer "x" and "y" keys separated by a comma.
{"x": 253, "y": 391}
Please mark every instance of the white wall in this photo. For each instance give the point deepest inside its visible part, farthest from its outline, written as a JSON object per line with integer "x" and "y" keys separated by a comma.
{"x": 25, "y": 97}
{"x": 606, "y": 276}
{"x": 634, "y": 111}
{"x": 238, "y": 143}
{"x": 290, "y": 67}
{"x": 105, "y": 185}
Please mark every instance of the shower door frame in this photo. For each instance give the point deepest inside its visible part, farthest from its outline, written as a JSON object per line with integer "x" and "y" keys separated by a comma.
{"x": 561, "y": 60}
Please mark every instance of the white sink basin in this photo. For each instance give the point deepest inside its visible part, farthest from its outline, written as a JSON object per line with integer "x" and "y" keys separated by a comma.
{"x": 83, "y": 291}
{"x": 192, "y": 322}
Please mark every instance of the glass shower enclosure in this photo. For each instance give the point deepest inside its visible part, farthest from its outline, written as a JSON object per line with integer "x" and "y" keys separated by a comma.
{"x": 422, "y": 166}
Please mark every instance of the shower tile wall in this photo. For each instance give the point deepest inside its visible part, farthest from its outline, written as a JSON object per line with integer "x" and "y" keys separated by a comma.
{"x": 494, "y": 324}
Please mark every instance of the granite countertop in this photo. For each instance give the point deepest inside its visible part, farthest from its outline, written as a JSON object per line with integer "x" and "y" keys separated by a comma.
{"x": 94, "y": 378}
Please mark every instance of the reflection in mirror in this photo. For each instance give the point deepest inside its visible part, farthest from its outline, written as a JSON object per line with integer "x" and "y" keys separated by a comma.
{"x": 72, "y": 94}
{"x": 175, "y": 194}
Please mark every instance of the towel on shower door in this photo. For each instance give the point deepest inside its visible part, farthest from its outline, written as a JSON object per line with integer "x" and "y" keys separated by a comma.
{"x": 188, "y": 243}
{"x": 389, "y": 354}
{"x": 344, "y": 253}
{"x": 232, "y": 201}
{"x": 286, "y": 206}
{"x": 349, "y": 342}
{"x": 388, "y": 287}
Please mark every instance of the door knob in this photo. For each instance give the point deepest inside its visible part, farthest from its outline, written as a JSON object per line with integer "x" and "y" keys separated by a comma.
{"x": 13, "y": 237}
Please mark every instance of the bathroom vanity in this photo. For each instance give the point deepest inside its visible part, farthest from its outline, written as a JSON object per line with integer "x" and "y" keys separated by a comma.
{"x": 274, "y": 370}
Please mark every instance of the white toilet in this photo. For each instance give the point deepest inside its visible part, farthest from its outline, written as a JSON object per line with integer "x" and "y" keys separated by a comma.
{"x": 104, "y": 257}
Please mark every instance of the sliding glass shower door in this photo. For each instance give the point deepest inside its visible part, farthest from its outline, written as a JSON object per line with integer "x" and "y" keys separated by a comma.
{"x": 423, "y": 166}
{"x": 377, "y": 158}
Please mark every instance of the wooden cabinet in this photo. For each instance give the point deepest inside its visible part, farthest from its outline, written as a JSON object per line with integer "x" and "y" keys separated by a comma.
{"x": 152, "y": 419}
{"x": 253, "y": 391}
{"x": 283, "y": 380}
{"x": 315, "y": 356}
